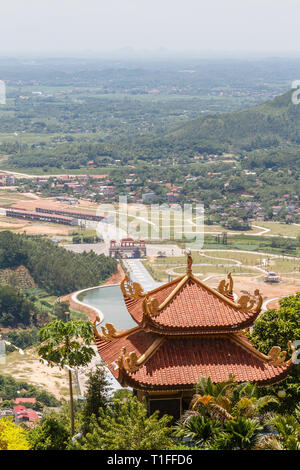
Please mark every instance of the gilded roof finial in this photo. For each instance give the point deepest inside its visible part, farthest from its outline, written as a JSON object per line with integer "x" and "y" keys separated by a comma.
{"x": 189, "y": 261}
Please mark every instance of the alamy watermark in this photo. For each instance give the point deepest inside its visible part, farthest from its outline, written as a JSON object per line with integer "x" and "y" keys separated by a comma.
{"x": 2, "y": 353}
{"x": 296, "y": 352}
{"x": 152, "y": 222}
{"x": 2, "y": 92}
{"x": 296, "y": 92}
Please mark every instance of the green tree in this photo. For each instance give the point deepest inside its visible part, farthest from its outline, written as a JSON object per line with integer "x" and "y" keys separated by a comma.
{"x": 97, "y": 395}
{"x": 125, "y": 425}
{"x": 15, "y": 308}
{"x": 49, "y": 435}
{"x": 67, "y": 344}
{"x": 277, "y": 327}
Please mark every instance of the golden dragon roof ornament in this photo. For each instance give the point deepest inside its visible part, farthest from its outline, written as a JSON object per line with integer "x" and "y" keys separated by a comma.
{"x": 131, "y": 291}
{"x": 277, "y": 357}
{"x": 189, "y": 262}
{"x": 109, "y": 331}
{"x": 132, "y": 362}
{"x": 246, "y": 304}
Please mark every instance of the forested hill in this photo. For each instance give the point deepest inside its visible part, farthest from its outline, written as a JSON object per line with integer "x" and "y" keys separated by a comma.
{"x": 259, "y": 127}
{"x": 272, "y": 127}
{"x": 52, "y": 267}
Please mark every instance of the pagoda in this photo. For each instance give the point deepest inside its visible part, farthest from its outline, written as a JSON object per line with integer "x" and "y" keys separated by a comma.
{"x": 185, "y": 330}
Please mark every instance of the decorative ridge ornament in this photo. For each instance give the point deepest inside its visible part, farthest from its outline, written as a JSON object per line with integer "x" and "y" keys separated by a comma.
{"x": 189, "y": 262}
{"x": 246, "y": 304}
{"x": 277, "y": 357}
{"x": 226, "y": 288}
{"x": 109, "y": 331}
{"x": 120, "y": 360}
{"x": 134, "y": 291}
{"x": 132, "y": 362}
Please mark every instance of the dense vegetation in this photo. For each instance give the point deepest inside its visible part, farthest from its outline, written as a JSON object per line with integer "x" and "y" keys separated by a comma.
{"x": 260, "y": 127}
{"x": 277, "y": 327}
{"x": 223, "y": 416}
{"x": 271, "y": 127}
{"x": 15, "y": 308}
{"x": 105, "y": 110}
{"x": 52, "y": 267}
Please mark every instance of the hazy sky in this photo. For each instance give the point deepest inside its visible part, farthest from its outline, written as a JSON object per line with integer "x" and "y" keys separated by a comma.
{"x": 70, "y": 26}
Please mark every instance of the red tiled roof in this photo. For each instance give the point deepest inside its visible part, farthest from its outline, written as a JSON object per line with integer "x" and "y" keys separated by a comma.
{"x": 19, "y": 408}
{"x": 194, "y": 308}
{"x": 16, "y": 211}
{"x": 25, "y": 400}
{"x": 138, "y": 341}
{"x": 178, "y": 363}
{"x": 32, "y": 415}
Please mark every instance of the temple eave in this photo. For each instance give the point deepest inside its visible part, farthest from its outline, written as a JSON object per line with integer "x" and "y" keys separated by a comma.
{"x": 169, "y": 364}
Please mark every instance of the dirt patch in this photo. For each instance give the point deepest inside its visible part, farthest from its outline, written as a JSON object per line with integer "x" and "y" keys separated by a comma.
{"x": 18, "y": 277}
{"x": 34, "y": 229}
{"x": 116, "y": 278}
{"x": 31, "y": 370}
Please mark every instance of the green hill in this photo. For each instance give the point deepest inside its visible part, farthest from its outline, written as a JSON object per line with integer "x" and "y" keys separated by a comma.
{"x": 272, "y": 129}
{"x": 259, "y": 127}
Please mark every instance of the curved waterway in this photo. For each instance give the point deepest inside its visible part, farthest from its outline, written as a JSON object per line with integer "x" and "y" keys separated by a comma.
{"x": 109, "y": 299}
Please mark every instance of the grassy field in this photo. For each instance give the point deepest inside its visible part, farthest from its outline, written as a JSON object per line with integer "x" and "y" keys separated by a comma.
{"x": 206, "y": 270}
{"x": 285, "y": 230}
{"x": 219, "y": 228}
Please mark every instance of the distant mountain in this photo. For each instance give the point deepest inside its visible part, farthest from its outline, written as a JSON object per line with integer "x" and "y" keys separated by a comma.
{"x": 259, "y": 127}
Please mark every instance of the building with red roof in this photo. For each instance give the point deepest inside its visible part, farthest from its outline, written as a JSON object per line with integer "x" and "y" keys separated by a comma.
{"x": 25, "y": 400}
{"x": 22, "y": 413}
{"x": 185, "y": 330}
{"x": 127, "y": 248}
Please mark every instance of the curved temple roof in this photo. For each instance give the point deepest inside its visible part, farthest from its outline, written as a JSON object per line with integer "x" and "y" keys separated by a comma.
{"x": 186, "y": 330}
{"x": 187, "y": 305}
{"x": 178, "y": 363}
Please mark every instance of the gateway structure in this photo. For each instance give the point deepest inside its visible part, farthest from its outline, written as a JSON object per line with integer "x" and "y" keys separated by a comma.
{"x": 186, "y": 330}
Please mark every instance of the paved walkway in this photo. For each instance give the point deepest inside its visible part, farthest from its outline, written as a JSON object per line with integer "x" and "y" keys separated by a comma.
{"x": 138, "y": 273}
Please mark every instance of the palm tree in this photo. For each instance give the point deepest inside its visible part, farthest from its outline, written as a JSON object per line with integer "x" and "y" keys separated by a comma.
{"x": 288, "y": 430}
{"x": 239, "y": 434}
{"x": 229, "y": 399}
{"x": 198, "y": 431}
